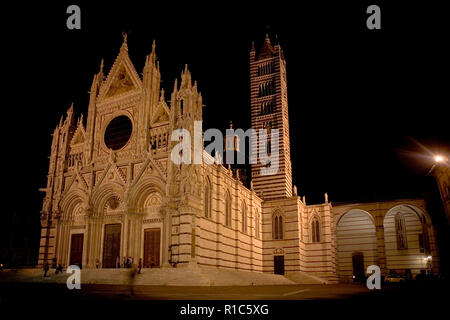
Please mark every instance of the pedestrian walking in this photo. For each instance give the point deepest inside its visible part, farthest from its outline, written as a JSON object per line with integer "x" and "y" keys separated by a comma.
{"x": 140, "y": 265}
{"x": 59, "y": 269}
{"x": 131, "y": 280}
{"x": 46, "y": 267}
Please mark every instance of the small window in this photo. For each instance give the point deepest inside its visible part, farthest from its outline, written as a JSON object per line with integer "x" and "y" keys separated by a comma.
{"x": 278, "y": 227}
{"x": 228, "y": 210}
{"x": 256, "y": 225}
{"x": 315, "y": 230}
{"x": 244, "y": 218}
{"x": 207, "y": 199}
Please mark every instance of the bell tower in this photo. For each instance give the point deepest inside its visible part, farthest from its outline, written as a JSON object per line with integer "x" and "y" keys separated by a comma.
{"x": 269, "y": 110}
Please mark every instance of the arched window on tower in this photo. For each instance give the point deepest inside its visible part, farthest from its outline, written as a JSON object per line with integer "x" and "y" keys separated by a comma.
{"x": 315, "y": 230}
{"x": 228, "y": 210}
{"x": 400, "y": 230}
{"x": 207, "y": 198}
{"x": 277, "y": 227}
{"x": 244, "y": 218}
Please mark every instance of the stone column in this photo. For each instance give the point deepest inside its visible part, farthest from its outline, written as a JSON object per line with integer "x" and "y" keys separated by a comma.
{"x": 93, "y": 244}
{"x": 166, "y": 220}
{"x": 133, "y": 237}
{"x": 330, "y": 246}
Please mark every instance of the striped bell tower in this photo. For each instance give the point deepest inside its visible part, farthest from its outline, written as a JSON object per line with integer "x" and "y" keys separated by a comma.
{"x": 269, "y": 110}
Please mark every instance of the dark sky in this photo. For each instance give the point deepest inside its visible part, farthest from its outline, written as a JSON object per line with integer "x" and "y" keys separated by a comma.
{"x": 357, "y": 98}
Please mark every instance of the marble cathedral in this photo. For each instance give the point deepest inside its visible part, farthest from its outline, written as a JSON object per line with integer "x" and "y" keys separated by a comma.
{"x": 112, "y": 190}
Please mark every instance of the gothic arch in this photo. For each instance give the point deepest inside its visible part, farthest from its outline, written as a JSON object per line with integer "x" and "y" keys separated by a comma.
{"x": 421, "y": 214}
{"x": 103, "y": 194}
{"x": 142, "y": 190}
{"x": 70, "y": 201}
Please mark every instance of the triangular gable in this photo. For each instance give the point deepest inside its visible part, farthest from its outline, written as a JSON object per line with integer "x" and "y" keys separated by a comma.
{"x": 78, "y": 136}
{"x": 161, "y": 114}
{"x": 122, "y": 77}
{"x": 77, "y": 181}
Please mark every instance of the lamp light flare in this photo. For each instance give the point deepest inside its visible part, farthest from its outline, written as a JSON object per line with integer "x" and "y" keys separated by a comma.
{"x": 438, "y": 158}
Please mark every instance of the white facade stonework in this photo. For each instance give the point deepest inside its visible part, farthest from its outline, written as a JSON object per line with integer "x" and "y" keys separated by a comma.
{"x": 102, "y": 205}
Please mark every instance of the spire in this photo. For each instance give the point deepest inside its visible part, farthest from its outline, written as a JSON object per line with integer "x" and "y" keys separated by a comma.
{"x": 267, "y": 50}
{"x": 70, "y": 110}
{"x": 231, "y": 124}
{"x": 80, "y": 120}
{"x": 100, "y": 73}
{"x": 161, "y": 97}
{"x": 253, "y": 46}
{"x": 94, "y": 83}
{"x": 175, "y": 85}
{"x": 153, "y": 53}
{"x": 186, "y": 78}
{"x": 124, "y": 44}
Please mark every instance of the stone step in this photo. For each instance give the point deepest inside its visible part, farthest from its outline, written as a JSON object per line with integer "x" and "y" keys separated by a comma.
{"x": 196, "y": 276}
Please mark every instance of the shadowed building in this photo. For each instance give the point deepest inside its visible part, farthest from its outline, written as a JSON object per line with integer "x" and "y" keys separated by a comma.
{"x": 441, "y": 171}
{"x": 113, "y": 191}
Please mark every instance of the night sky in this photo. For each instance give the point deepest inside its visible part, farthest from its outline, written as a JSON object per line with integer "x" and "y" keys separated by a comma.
{"x": 360, "y": 101}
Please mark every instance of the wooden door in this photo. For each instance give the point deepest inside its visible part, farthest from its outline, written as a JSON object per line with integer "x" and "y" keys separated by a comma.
{"x": 111, "y": 245}
{"x": 278, "y": 263}
{"x": 152, "y": 241}
{"x": 358, "y": 267}
{"x": 76, "y": 249}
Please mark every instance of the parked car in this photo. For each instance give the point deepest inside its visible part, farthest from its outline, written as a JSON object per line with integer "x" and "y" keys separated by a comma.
{"x": 395, "y": 278}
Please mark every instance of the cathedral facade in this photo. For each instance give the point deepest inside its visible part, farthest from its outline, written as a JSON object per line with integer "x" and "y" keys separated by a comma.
{"x": 113, "y": 192}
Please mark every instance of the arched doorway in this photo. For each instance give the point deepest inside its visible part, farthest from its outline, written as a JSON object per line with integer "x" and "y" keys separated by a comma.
{"x": 356, "y": 244}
